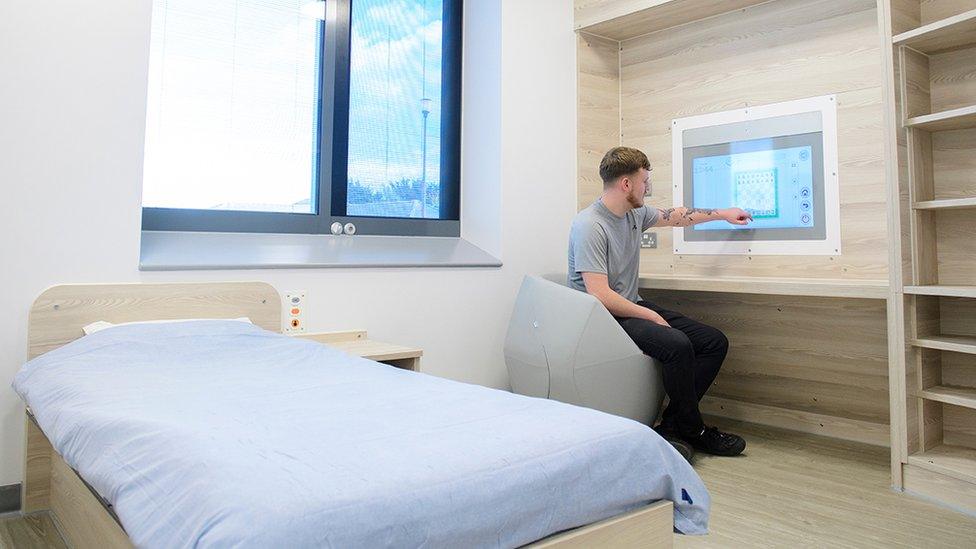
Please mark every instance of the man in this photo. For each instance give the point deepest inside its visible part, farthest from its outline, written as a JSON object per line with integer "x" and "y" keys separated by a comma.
{"x": 604, "y": 252}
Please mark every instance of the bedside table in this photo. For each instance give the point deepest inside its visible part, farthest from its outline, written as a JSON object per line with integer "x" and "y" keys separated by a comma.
{"x": 355, "y": 342}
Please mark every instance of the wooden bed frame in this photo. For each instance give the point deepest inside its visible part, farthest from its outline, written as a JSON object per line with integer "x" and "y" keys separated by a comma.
{"x": 86, "y": 520}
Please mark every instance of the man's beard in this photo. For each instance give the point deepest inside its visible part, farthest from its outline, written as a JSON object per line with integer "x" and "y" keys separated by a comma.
{"x": 635, "y": 201}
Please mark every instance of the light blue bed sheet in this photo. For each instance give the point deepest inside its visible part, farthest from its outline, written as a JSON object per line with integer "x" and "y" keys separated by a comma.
{"x": 221, "y": 434}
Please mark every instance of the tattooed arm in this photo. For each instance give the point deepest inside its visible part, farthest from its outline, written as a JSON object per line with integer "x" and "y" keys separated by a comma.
{"x": 686, "y": 217}
{"x": 598, "y": 286}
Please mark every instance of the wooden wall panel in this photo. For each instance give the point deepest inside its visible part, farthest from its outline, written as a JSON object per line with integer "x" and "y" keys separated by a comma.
{"x": 917, "y": 92}
{"x": 958, "y": 316}
{"x": 958, "y": 425}
{"x": 626, "y": 19}
{"x": 953, "y": 79}
{"x": 926, "y": 316}
{"x": 921, "y": 186}
{"x": 809, "y": 363}
{"x": 598, "y": 111}
{"x": 589, "y": 12}
{"x": 901, "y": 173}
{"x": 955, "y": 232}
{"x": 818, "y": 356}
{"x": 958, "y": 369}
{"x": 905, "y": 15}
{"x": 954, "y": 162}
{"x": 778, "y": 51}
{"x": 907, "y": 407}
{"x": 933, "y": 10}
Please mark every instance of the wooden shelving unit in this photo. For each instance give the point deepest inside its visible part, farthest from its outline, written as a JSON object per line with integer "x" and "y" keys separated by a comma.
{"x": 946, "y": 204}
{"x": 942, "y": 290}
{"x": 954, "y": 344}
{"x": 955, "y": 461}
{"x": 932, "y": 137}
{"x": 954, "y": 119}
{"x": 951, "y": 395}
{"x": 958, "y": 31}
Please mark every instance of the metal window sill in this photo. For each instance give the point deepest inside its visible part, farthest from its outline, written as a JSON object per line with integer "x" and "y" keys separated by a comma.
{"x": 177, "y": 251}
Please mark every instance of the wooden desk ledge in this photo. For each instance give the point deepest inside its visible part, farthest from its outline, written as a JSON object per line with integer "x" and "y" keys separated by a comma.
{"x": 355, "y": 342}
{"x": 815, "y": 287}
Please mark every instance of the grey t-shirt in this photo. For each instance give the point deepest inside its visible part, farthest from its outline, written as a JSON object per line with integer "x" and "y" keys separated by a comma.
{"x": 602, "y": 242}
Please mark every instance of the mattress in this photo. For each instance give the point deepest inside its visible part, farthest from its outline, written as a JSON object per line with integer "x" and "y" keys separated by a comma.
{"x": 221, "y": 434}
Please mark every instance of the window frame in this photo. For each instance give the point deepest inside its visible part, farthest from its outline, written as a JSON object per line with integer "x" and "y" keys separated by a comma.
{"x": 331, "y": 161}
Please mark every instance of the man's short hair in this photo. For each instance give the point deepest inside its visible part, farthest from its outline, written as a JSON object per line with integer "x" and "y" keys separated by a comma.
{"x": 621, "y": 161}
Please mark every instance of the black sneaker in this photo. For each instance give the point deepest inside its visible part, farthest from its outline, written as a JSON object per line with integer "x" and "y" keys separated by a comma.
{"x": 713, "y": 441}
{"x": 681, "y": 446}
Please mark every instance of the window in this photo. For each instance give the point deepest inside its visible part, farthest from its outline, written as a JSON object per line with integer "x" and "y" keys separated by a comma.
{"x": 289, "y": 115}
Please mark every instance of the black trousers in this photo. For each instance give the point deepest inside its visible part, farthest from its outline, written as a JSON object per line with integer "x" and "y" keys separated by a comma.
{"x": 691, "y": 353}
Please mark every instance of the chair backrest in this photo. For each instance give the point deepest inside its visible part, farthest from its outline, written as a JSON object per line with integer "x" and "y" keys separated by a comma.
{"x": 549, "y": 324}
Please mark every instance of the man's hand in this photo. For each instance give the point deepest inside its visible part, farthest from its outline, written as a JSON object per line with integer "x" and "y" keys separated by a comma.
{"x": 656, "y": 318}
{"x": 736, "y": 216}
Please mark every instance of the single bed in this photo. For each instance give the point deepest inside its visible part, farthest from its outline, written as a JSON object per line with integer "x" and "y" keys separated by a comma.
{"x": 223, "y": 433}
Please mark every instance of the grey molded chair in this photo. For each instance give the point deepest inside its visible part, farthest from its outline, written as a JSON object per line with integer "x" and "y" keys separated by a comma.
{"x": 563, "y": 344}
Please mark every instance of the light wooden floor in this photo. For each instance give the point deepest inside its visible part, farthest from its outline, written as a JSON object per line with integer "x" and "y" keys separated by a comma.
{"x": 36, "y": 531}
{"x": 789, "y": 490}
{"x": 797, "y": 490}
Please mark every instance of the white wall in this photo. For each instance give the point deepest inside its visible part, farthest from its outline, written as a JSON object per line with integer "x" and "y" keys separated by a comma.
{"x": 72, "y": 107}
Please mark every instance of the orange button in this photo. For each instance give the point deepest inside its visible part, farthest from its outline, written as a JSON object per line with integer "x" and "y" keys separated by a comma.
{"x": 295, "y": 311}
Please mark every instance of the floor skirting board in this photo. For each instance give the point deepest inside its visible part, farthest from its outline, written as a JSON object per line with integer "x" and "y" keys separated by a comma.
{"x": 798, "y": 420}
{"x": 10, "y": 498}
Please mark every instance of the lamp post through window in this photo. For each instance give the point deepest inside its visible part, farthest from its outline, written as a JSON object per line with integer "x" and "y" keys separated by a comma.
{"x": 425, "y": 105}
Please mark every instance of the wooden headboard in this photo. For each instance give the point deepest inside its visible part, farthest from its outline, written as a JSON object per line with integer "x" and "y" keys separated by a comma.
{"x": 60, "y": 312}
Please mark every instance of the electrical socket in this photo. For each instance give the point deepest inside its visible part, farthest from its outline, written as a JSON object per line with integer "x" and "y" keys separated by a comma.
{"x": 648, "y": 240}
{"x": 294, "y": 309}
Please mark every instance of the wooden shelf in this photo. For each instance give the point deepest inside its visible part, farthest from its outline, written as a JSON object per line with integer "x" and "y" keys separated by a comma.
{"x": 958, "y": 396}
{"x": 955, "y": 461}
{"x": 867, "y": 289}
{"x": 377, "y": 350}
{"x": 955, "y": 119}
{"x": 624, "y": 20}
{"x": 355, "y": 342}
{"x": 944, "y": 291}
{"x": 953, "y": 32}
{"x": 946, "y": 204}
{"x": 955, "y": 344}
